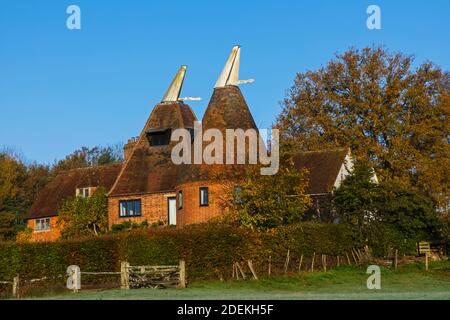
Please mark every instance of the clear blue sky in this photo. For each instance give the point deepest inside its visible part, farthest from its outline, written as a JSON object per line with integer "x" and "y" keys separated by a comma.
{"x": 62, "y": 89}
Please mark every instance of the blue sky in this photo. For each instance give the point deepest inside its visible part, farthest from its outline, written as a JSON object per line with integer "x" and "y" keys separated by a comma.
{"x": 63, "y": 89}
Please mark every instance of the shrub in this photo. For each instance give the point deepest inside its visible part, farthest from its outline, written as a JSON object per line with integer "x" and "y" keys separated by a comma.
{"x": 209, "y": 249}
{"x": 80, "y": 216}
{"x": 128, "y": 225}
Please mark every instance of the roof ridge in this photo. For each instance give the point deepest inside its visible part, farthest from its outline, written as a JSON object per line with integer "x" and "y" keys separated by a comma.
{"x": 90, "y": 167}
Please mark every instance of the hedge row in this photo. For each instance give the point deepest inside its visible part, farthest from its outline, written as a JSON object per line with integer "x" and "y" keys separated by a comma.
{"x": 209, "y": 249}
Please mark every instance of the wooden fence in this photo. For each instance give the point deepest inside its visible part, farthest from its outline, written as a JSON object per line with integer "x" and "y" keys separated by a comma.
{"x": 131, "y": 277}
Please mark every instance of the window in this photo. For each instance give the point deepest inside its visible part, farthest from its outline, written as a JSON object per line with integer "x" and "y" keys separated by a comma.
{"x": 42, "y": 224}
{"x": 180, "y": 199}
{"x": 83, "y": 192}
{"x": 204, "y": 199}
{"x": 129, "y": 208}
{"x": 159, "y": 137}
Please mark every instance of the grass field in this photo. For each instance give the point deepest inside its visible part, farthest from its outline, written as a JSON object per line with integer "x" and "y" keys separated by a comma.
{"x": 409, "y": 282}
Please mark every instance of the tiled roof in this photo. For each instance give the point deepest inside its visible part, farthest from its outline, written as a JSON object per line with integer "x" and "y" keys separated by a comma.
{"x": 63, "y": 186}
{"x": 323, "y": 167}
{"x": 227, "y": 109}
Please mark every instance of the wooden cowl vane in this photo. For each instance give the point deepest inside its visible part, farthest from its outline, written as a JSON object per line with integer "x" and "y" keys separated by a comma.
{"x": 149, "y": 168}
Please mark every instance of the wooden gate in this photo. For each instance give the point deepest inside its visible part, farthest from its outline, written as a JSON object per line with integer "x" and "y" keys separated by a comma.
{"x": 136, "y": 277}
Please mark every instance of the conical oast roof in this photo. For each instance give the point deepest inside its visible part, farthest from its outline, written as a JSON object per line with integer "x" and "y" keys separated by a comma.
{"x": 227, "y": 109}
{"x": 149, "y": 168}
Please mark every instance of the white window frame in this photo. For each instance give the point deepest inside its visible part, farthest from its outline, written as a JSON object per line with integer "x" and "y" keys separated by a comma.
{"x": 43, "y": 225}
{"x": 83, "y": 192}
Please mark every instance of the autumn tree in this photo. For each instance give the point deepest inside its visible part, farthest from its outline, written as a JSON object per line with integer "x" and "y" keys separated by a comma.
{"x": 389, "y": 113}
{"x": 84, "y": 216}
{"x": 12, "y": 176}
{"x": 19, "y": 184}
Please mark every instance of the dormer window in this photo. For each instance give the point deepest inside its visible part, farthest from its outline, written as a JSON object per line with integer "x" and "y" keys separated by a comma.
{"x": 83, "y": 192}
{"x": 159, "y": 137}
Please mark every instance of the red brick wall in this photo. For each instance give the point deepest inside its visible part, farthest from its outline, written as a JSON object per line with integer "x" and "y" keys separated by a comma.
{"x": 192, "y": 212}
{"x": 153, "y": 208}
{"x": 45, "y": 236}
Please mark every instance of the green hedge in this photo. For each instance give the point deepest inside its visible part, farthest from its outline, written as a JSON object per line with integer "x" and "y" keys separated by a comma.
{"x": 209, "y": 249}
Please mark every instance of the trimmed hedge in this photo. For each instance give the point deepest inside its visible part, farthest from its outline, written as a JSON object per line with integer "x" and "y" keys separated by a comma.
{"x": 209, "y": 249}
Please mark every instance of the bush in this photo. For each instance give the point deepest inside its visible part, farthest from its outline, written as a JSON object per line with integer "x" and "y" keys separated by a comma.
{"x": 209, "y": 249}
{"x": 128, "y": 225}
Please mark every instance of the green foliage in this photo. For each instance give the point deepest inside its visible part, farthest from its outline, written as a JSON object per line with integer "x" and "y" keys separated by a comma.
{"x": 82, "y": 216}
{"x": 385, "y": 214}
{"x": 209, "y": 249}
{"x": 264, "y": 202}
{"x": 356, "y": 201}
{"x": 128, "y": 226}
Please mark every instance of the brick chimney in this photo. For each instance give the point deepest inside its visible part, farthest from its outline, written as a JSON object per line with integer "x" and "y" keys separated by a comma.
{"x": 128, "y": 147}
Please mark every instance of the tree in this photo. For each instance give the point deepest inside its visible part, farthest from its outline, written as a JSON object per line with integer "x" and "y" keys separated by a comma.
{"x": 411, "y": 213}
{"x": 89, "y": 157}
{"x": 19, "y": 184}
{"x": 385, "y": 214}
{"x": 263, "y": 202}
{"x": 356, "y": 201}
{"x": 392, "y": 116}
{"x": 82, "y": 216}
{"x": 12, "y": 196}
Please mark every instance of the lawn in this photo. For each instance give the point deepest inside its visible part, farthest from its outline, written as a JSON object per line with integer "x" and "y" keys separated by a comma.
{"x": 409, "y": 282}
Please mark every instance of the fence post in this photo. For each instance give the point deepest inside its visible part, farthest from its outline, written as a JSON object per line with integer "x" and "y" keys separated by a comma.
{"x": 15, "y": 287}
{"x": 125, "y": 275}
{"x": 426, "y": 261}
{"x": 286, "y": 263}
{"x": 396, "y": 258}
{"x": 300, "y": 264}
{"x": 250, "y": 266}
{"x": 77, "y": 279}
{"x": 182, "y": 274}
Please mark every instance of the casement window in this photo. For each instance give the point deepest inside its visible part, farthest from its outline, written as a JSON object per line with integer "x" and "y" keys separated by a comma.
{"x": 42, "y": 224}
{"x": 180, "y": 199}
{"x": 83, "y": 192}
{"x": 159, "y": 137}
{"x": 204, "y": 196}
{"x": 130, "y": 208}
